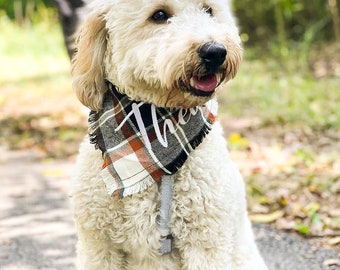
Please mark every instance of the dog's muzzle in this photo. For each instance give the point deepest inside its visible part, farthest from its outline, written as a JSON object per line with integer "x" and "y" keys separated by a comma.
{"x": 210, "y": 73}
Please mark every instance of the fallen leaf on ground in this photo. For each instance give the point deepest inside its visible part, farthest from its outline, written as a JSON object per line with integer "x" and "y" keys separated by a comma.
{"x": 331, "y": 262}
{"x": 334, "y": 241}
{"x": 267, "y": 218}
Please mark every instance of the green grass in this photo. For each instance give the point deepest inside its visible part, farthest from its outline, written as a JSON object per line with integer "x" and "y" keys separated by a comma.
{"x": 34, "y": 64}
{"x": 31, "y": 51}
{"x": 264, "y": 90}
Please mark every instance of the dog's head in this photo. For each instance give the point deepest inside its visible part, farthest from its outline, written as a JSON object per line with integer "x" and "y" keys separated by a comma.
{"x": 169, "y": 53}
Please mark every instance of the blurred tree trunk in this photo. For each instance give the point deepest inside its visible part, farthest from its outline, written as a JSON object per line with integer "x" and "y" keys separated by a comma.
{"x": 22, "y": 12}
{"x": 333, "y": 7}
{"x": 280, "y": 25}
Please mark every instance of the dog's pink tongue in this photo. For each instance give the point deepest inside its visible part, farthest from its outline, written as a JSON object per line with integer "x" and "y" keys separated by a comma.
{"x": 206, "y": 83}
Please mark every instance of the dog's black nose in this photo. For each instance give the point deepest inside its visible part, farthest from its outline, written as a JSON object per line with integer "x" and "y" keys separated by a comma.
{"x": 212, "y": 54}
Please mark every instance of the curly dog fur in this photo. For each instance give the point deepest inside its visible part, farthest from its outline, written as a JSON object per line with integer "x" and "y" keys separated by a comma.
{"x": 151, "y": 51}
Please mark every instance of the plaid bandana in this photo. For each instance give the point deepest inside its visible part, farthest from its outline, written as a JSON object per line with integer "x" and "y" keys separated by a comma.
{"x": 141, "y": 142}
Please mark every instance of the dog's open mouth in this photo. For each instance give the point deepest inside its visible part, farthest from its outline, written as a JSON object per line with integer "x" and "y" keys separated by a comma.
{"x": 205, "y": 85}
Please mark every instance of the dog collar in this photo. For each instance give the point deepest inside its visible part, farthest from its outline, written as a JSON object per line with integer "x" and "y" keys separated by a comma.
{"x": 141, "y": 143}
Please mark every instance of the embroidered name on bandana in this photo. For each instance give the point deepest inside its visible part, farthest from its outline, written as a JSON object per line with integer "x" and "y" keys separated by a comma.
{"x": 141, "y": 142}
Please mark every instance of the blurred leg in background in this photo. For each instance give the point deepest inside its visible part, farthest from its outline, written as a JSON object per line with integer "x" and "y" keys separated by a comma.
{"x": 70, "y": 14}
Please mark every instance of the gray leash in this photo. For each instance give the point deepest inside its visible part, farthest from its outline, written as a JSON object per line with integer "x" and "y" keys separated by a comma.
{"x": 166, "y": 189}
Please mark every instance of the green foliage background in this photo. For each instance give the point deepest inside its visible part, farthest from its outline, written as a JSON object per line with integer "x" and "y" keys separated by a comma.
{"x": 20, "y": 9}
{"x": 285, "y": 19}
{"x": 279, "y": 21}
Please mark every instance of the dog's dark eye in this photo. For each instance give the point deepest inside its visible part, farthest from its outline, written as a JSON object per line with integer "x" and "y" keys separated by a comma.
{"x": 160, "y": 16}
{"x": 208, "y": 10}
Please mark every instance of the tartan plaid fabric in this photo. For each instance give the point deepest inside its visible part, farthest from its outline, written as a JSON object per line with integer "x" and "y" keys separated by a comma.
{"x": 141, "y": 142}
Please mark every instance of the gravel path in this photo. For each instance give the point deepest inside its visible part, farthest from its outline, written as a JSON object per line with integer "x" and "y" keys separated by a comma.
{"x": 37, "y": 231}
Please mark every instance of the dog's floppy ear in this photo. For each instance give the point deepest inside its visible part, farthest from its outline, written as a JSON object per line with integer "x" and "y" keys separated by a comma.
{"x": 87, "y": 66}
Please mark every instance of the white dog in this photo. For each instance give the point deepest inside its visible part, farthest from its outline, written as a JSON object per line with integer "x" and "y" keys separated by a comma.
{"x": 161, "y": 192}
